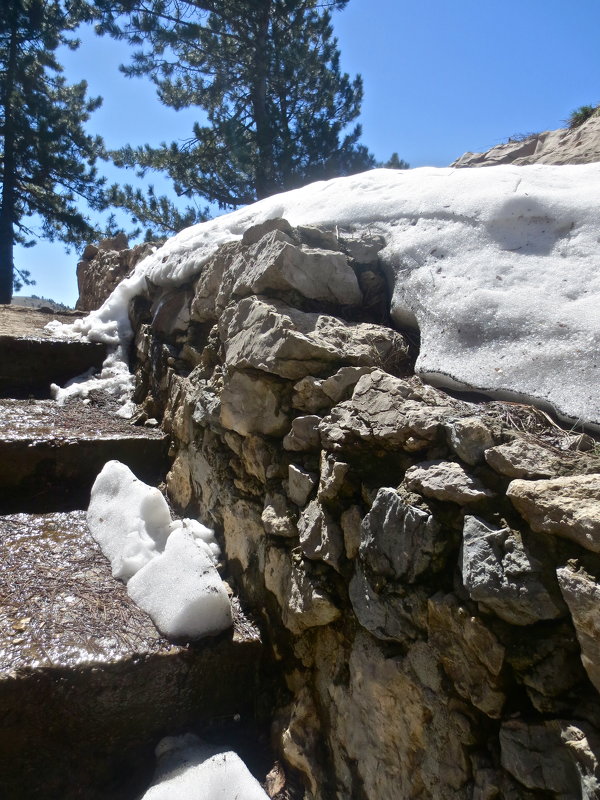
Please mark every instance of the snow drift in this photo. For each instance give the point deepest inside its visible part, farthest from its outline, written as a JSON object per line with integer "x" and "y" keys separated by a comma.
{"x": 190, "y": 770}
{"x": 169, "y": 567}
{"x": 498, "y": 268}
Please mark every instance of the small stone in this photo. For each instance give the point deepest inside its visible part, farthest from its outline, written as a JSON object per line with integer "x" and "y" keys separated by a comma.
{"x": 320, "y": 536}
{"x": 300, "y": 484}
{"x": 278, "y": 518}
{"x": 362, "y": 249}
{"x": 339, "y": 386}
{"x": 309, "y": 396}
{"x": 350, "y": 521}
{"x": 469, "y": 438}
{"x": 582, "y": 595}
{"x": 256, "y": 232}
{"x": 303, "y": 602}
{"x": 500, "y": 572}
{"x": 522, "y": 459}
{"x": 333, "y": 477}
{"x": 251, "y": 404}
{"x": 304, "y": 435}
{"x": 446, "y": 481}
{"x": 567, "y": 507}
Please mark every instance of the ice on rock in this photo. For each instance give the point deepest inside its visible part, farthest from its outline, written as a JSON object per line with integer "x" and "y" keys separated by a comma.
{"x": 496, "y": 266}
{"x": 169, "y": 566}
{"x": 182, "y": 591}
{"x": 190, "y": 770}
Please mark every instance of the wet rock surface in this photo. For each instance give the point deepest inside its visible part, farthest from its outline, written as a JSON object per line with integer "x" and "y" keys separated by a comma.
{"x": 31, "y": 358}
{"x": 51, "y": 454}
{"x": 86, "y": 682}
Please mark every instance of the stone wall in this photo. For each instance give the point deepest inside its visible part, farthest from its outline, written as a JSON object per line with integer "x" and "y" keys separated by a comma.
{"x": 105, "y": 265}
{"x": 424, "y": 568}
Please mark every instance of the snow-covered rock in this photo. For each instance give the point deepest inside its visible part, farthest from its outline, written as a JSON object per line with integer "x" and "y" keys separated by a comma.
{"x": 169, "y": 566}
{"x": 190, "y": 770}
{"x": 497, "y": 268}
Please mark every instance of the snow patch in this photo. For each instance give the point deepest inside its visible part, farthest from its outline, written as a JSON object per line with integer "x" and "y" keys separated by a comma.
{"x": 190, "y": 770}
{"x": 496, "y": 266}
{"x": 169, "y": 566}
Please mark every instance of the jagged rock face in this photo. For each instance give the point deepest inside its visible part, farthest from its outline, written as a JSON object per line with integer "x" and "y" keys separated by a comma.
{"x": 105, "y": 265}
{"x": 564, "y": 146}
{"x": 423, "y": 569}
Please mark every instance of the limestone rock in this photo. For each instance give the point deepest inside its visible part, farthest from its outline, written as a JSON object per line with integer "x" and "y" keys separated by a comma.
{"x": 271, "y": 336}
{"x": 398, "y": 541}
{"x": 387, "y": 733}
{"x": 208, "y": 300}
{"x": 304, "y": 604}
{"x": 300, "y": 484}
{"x": 255, "y": 233}
{"x": 300, "y": 737}
{"x": 522, "y": 459}
{"x": 333, "y": 479}
{"x": 446, "y": 481}
{"x": 385, "y": 608}
{"x": 567, "y": 507}
{"x": 582, "y": 595}
{"x": 471, "y": 655}
{"x": 276, "y": 264}
{"x": 350, "y": 521}
{"x": 500, "y": 572}
{"x": 364, "y": 250}
{"x": 318, "y": 237}
{"x": 320, "y": 536}
{"x": 304, "y": 435}
{"x": 308, "y": 396}
{"x": 277, "y": 516}
{"x": 563, "y": 146}
{"x": 387, "y": 412}
{"x": 171, "y": 312}
{"x": 258, "y": 457}
{"x": 339, "y": 386}
{"x": 252, "y": 404}
{"x": 557, "y": 756}
{"x": 469, "y": 437}
{"x": 243, "y": 533}
{"x": 102, "y": 267}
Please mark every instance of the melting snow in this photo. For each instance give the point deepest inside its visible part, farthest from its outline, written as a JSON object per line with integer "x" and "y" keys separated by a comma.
{"x": 169, "y": 567}
{"x": 498, "y": 267}
{"x": 189, "y": 770}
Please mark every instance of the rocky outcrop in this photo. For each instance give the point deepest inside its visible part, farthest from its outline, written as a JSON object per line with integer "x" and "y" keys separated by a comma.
{"x": 421, "y": 565}
{"x": 579, "y": 145}
{"x": 105, "y": 265}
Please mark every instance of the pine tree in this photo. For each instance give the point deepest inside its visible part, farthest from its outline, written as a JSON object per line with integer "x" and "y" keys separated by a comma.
{"x": 46, "y": 159}
{"x": 266, "y": 74}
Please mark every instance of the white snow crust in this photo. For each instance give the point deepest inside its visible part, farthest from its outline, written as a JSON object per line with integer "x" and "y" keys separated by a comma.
{"x": 498, "y": 267}
{"x": 169, "y": 566}
{"x": 190, "y": 770}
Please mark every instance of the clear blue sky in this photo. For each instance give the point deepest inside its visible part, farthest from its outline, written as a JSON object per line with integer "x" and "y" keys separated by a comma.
{"x": 441, "y": 77}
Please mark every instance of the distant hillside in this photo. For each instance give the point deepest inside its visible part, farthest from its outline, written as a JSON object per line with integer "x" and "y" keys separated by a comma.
{"x": 39, "y": 302}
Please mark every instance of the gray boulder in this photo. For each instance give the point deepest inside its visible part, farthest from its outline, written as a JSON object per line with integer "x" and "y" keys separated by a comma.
{"x": 500, "y": 572}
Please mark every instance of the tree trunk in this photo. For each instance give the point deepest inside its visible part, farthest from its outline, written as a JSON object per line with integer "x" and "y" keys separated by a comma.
{"x": 263, "y": 181}
{"x": 9, "y": 174}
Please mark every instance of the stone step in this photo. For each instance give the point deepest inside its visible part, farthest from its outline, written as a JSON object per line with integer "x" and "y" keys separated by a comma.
{"x": 87, "y": 685}
{"x": 50, "y": 455}
{"x": 31, "y": 358}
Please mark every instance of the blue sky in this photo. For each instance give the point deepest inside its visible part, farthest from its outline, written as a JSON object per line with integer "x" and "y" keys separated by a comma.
{"x": 441, "y": 77}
